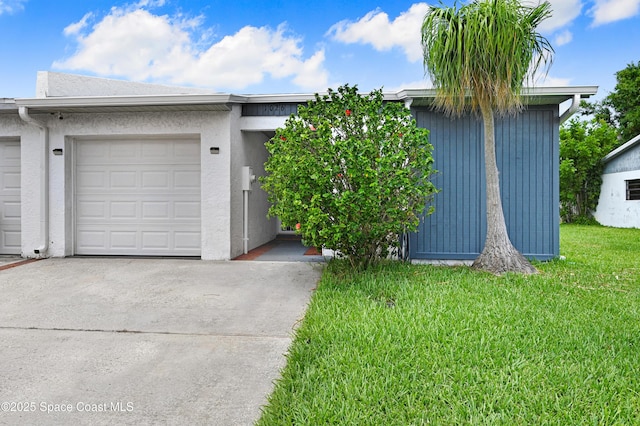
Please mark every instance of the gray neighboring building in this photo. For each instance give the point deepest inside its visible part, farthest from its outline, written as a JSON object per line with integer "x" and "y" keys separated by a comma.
{"x": 93, "y": 166}
{"x": 619, "y": 203}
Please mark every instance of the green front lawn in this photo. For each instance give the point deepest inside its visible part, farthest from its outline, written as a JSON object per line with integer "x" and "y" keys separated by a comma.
{"x": 412, "y": 345}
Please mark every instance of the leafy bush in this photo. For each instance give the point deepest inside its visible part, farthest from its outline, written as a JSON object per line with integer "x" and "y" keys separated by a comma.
{"x": 351, "y": 173}
{"x": 582, "y": 147}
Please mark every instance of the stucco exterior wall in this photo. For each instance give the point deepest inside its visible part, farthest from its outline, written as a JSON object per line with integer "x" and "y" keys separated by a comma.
{"x": 613, "y": 207}
{"x": 248, "y": 150}
{"x": 31, "y": 150}
{"x": 235, "y": 175}
{"x": 213, "y": 130}
{"x": 261, "y": 228}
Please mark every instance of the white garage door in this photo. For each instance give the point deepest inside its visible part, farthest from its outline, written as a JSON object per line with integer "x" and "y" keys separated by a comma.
{"x": 138, "y": 197}
{"x": 10, "y": 197}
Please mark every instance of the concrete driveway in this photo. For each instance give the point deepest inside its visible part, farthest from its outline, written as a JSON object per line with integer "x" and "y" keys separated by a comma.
{"x": 145, "y": 341}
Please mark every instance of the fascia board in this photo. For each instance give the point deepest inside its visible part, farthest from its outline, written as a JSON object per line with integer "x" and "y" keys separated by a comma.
{"x": 142, "y": 100}
{"x": 8, "y": 106}
{"x": 621, "y": 149}
{"x": 305, "y": 97}
{"x": 584, "y": 91}
{"x": 280, "y": 98}
{"x": 203, "y": 99}
{"x": 563, "y": 93}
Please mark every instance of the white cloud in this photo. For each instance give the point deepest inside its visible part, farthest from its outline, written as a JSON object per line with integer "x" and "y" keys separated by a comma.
{"x": 542, "y": 80}
{"x": 11, "y": 6}
{"x": 376, "y": 29}
{"x": 149, "y": 3}
{"x": 607, "y": 11}
{"x": 425, "y": 83}
{"x": 313, "y": 76}
{"x": 246, "y": 57}
{"x": 132, "y": 42}
{"x": 563, "y": 38}
{"x": 76, "y": 27}
{"x": 563, "y": 12}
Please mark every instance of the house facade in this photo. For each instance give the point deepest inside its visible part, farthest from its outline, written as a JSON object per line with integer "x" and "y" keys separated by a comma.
{"x": 93, "y": 166}
{"x": 619, "y": 202}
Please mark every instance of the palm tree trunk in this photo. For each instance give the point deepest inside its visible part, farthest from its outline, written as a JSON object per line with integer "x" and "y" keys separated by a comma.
{"x": 499, "y": 255}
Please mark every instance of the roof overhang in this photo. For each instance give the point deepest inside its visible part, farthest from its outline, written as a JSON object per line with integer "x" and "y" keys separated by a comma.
{"x": 8, "y": 106}
{"x": 143, "y": 103}
{"x": 530, "y": 96}
{"x": 621, "y": 149}
{"x": 224, "y": 102}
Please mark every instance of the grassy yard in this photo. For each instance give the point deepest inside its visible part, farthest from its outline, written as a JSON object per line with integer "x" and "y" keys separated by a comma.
{"x": 412, "y": 345}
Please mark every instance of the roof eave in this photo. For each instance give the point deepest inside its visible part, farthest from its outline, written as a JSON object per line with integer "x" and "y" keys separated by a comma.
{"x": 531, "y": 95}
{"x": 621, "y": 149}
{"x": 138, "y": 102}
{"x": 8, "y": 106}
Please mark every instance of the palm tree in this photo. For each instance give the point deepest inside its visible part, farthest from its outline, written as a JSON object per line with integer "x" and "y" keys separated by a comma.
{"x": 478, "y": 57}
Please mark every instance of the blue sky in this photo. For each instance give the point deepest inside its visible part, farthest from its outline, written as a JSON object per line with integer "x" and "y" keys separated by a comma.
{"x": 279, "y": 46}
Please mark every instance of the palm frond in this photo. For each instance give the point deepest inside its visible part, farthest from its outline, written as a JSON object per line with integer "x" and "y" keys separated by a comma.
{"x": 484, "y": 52}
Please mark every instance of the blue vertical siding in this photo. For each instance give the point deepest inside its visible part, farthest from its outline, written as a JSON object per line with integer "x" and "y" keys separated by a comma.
{"x": 527, "y": 155}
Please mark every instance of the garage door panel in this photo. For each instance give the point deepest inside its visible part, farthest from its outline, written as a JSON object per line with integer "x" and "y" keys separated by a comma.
{"x": 88, "y": 240}
{"x": 140, "y": 181}
{"x": 139, "y": 242}
{"x": 123, "y": 240}
{"x": 144, "y": 203}
{"x": 124, "y": 180}
{"x": 131, "y": 151}
{"x": 156, "y": 210}
{"x": 10, "y": 181}
{"x": 90, "y": 179}
{"x": 123, "y": 150}
{"x": 130, "y": 209}
{"x": 10, "y": 216}
{"x": 186, "y": 150}
{"x": 88, "y": 210}
{"x": 10, "y": 151}
{"x": 156, "y": 240}
{"x": 12, "y": 239}
{"x": 156, "y": 179}
{"x": 117, "y": 152}
{"x": 156, "y": 150}
{"x": 10, "y": 210}
{"x": 187, "y": 179}
{"x": 187, "y": 240}
{"x": 123, "y": 210}
{"x": 186, "y": 210}
{"x": 91, "y": 153}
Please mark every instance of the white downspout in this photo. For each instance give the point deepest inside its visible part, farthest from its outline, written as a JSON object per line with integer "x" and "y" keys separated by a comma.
{"x": 245, "y": 224}
{"x": 41, "y": 250}
{"x": 575, "y": 104}
{"x": 408, "y": 102}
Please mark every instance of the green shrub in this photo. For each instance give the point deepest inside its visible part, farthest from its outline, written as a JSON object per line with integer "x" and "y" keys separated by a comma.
{"x": 351, "y": 173}
{"x": 582, "y": 147}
